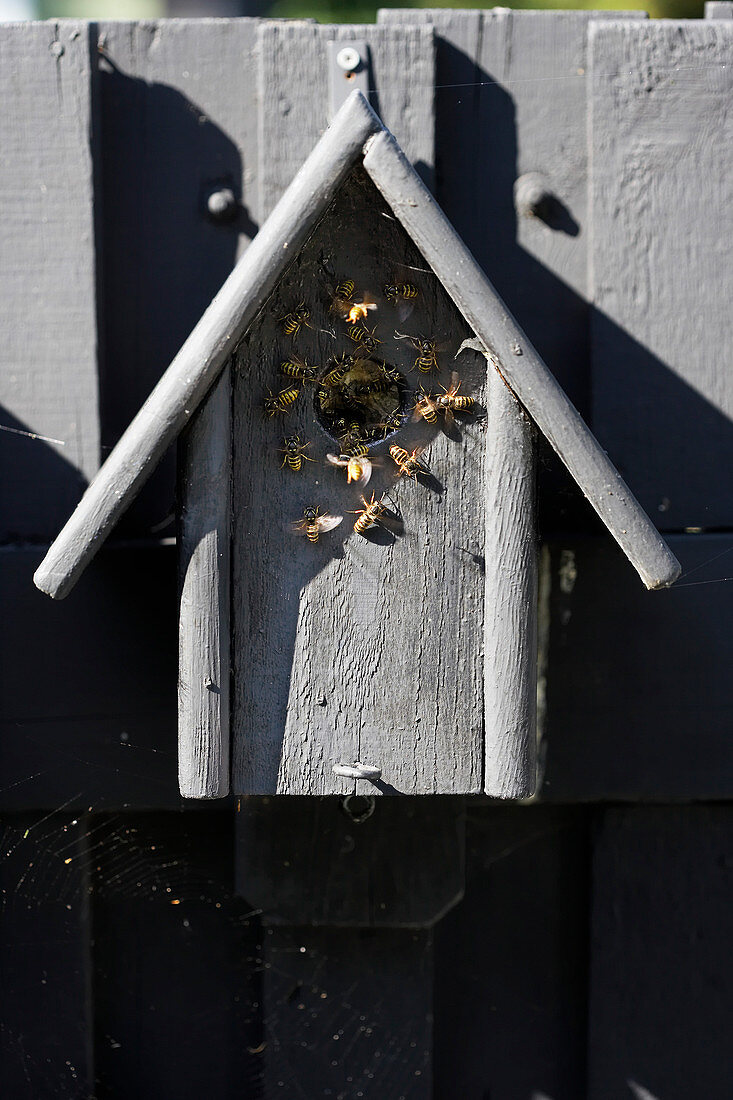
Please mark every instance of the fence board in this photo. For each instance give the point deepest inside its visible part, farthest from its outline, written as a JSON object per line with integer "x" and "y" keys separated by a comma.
{"x": 662, "y": 192}
{"x": 48, "y": 356}
{"x": 660, "y": 954}
{"x": 510, "y": 960}
{"x": 89, "y": 718}
{"x": 47, "y": 1018}
{"x": 174, "y": 130}
{"x": 639, "y": 702}
{"x": 294, "y": 94}
{"x": 348, "y": 1011}
{"x": 510, "y": 98}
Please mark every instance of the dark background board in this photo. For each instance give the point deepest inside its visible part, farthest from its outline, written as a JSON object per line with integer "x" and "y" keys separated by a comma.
{"x": 585, "y": 950}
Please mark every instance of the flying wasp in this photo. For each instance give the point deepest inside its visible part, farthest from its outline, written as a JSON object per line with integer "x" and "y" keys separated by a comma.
{"x": 409, "y": 465}
{"x": 295, "y": 319}
{"x": 281, "y": 402}
{"x": 370, "y": 514}
{"x": 315, "y": 522}
{"x": 294, "y": 451}
{"x": 427, "y": 349}
{"x": 358, "y": 467}
{"x": 296, "y": 367}
{"x": 450, "y": 401}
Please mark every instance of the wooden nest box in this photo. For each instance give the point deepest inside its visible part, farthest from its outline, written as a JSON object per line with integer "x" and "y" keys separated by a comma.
{"x": 394, "y": 650}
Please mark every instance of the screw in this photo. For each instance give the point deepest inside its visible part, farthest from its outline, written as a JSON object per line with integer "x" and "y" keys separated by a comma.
{"x": 348, "y": 59}
{"x": 222, "y": 206}
{"x": 532, "y": 196}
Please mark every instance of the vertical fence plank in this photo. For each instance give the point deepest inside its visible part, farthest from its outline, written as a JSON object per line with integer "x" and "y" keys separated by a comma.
{"x": 48, "y": 270}
{"x": 662, "y": 192}
{"x": 177, "y": 98}
{"x": 660, "y": 953}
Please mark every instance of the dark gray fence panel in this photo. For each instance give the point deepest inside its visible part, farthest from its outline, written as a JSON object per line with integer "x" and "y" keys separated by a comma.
{"x": 661, "y": 148}
{"x": 639, "y": 703}
{"x": 48, "y": 355}
{"x": 660, "y": 954}
{"x": 178, "y": 123}
{"x": 45, "y": 958}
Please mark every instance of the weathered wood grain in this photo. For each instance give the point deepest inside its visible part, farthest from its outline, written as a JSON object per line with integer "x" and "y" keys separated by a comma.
{"x": 173, "y": 132}
{"x": 661, "y": 972}
{"x": 294, "y": 94}
{"x": 510, "y": 600}
{"x": 519, "y": 363}
{"x": 662, "y": 195}
{"x": 402, "y": 866}
{"x": 203, "y": 621}
{"x": 510, "y": 98}
{"x": 639, "y": 703}
{"x": 48, "y": 272}
{"x": 200, "y": 360}
{"x": 356, "y": 649}
{"x": 718, "y": 9}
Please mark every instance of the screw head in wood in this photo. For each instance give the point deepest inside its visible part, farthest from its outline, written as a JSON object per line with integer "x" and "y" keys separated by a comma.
{"x": 348, "y": 59}
{"x": 221, "y": 205}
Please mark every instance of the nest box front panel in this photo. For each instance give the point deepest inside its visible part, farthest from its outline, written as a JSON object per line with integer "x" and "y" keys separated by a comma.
{"x": 358, "y": 525}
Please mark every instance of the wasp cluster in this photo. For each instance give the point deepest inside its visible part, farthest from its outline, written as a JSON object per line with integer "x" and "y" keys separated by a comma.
{"x": 359, "y": 398}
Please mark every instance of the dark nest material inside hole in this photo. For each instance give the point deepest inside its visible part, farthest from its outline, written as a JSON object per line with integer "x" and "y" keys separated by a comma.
{"x": 361, "y": 400}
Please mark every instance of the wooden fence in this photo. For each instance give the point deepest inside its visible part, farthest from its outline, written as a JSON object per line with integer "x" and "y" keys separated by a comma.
{"x": 576, "y": 947}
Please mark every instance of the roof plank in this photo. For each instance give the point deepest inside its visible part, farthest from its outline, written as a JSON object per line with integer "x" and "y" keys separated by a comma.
{"x": 519, "y": 363}
{"x": 200, "y": 360}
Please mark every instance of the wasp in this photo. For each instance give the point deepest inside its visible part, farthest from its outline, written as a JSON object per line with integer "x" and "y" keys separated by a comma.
{"x": 427, "y": 349}
{"x": 341, "y": 298}
{"x": 426, "y": 408}
{"x": 294, "y": 451}
{"x": 450, "y": 401}
{"x": 405, "y": 291}
{"x": 295, "y": 367}
{"x": 370, "y": 514}
{"x": 391, "y": 373}
{"x": 392, "y": 422}
{"x": 295, "y": 319}
{"x": 315, "y": 522}
{"x": 408, "y": 464}
{"x": 361, "y": 335}
{"x": 281, "y": 402}
{"x": 341, "y": 366}
{"x": 358, "y": 467}
{"x": 359, "y": 311}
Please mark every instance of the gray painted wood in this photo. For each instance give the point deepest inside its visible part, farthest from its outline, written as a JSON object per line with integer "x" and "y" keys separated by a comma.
{"x": 200, "y": 360}
{"x": 510, "y": 99}
{"x": 401, "y": 866}
{"x": 356, "y": 649}
{"x": 510, "y": 601}
{"x": 639, "y": 704}
{"x": 662, "y": 193}
{"x": 519, "y": 363}
{"x": 661, "y": 971}
{"x": 173, "y": 131}
{"x": 48, "y": 272}
{"x": 295, "y": 93}
{"x": 203, "y": 621}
